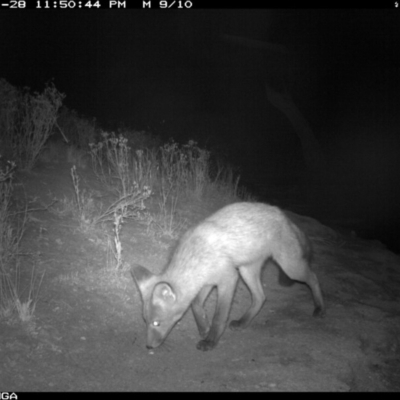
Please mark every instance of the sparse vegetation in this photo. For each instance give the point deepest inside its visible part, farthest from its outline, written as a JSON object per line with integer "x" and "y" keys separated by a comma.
{"x": 165, "y": 222}
{"x": 78, "y": 130}
{"x": 14, "y": 300}
{"x": 172, "y": 173}
{"x": 77, "y": 156}
{"x": 26, "y": 121}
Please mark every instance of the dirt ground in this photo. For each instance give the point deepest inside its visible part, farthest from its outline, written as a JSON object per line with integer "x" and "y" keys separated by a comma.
{"x": 88, "y": 333}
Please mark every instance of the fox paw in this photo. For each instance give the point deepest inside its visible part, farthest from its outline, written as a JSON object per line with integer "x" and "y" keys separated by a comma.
{"x": 236, "y": 325}
{"x": 205, "y": 345}
{"x": 319, "y": 312}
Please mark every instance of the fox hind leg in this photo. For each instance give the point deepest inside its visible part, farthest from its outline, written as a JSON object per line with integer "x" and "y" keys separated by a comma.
{"x": 297, "y": 267}
{"x": 313, "y": 284}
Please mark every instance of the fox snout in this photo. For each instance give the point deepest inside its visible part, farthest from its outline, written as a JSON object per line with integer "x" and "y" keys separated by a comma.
{"x": 152, "y": 343}
{"x": 154, "y": 338}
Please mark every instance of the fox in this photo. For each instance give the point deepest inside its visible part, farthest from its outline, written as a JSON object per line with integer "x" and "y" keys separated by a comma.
{"x": 235, "y": 241}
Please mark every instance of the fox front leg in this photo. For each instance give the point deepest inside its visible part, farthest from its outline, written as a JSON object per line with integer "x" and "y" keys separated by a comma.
{"x": 199, "y": 312}
{"x": 220, "y": 319}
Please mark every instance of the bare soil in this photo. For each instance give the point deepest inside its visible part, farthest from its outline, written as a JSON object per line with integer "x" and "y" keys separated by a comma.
{"x": 88, "y": 334}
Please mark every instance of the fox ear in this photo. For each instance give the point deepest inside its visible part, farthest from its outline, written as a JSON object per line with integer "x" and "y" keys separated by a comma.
{"x": 163, "y": 294}
{"x": 140, "y": 274}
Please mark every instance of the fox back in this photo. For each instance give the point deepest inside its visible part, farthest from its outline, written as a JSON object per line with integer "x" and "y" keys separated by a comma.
{"x": 236, "y": 240}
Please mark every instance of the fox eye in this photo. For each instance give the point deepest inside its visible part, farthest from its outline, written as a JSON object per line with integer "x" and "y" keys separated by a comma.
{"x": 155, "y": 323}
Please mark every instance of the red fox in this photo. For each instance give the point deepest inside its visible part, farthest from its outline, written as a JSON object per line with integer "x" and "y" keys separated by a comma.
{"x": 236, "y": 240}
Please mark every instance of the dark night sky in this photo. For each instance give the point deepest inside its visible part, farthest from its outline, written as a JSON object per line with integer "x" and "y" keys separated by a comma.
{"x": 176, "y": 73}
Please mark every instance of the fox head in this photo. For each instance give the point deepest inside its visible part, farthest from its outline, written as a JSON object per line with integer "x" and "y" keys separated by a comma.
{"x": 161, "y": 306}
